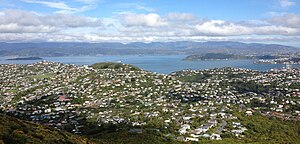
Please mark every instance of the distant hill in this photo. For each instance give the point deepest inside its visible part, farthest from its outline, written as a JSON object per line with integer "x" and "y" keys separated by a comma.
{"x": 26, "y": 58}
{"x": 225, "y": 56}
{"x": 183, "y": 47}
{"x": 214, "y": 56}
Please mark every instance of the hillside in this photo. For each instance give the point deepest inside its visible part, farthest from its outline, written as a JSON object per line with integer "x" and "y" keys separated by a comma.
{"x": 113, "y": 103}
{"x": 15, "y": 131}
{"x": 261, "y": 130}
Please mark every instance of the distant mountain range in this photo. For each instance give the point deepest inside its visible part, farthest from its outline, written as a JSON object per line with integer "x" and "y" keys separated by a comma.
{"x": 184, "y": 47}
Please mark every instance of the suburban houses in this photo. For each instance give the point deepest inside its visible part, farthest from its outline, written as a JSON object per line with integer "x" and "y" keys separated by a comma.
{"x": 187, "y": 105}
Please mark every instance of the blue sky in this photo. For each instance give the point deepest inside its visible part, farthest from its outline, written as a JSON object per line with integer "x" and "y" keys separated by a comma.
{"x": 266, "y": 21}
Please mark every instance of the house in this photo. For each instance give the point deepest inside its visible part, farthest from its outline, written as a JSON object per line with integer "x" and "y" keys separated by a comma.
{"x": 238, "y": 131}
{"x": 249, "y": 113}
{"x": 202, "y": 129}
{"x": 63, "y": 98}
{"x": 206, "y": 135}
{"x": 191, "y": 139}
{"x": 184, "y": 129}
{"x": 215, "y": 137}
{"x": 181, "y": 138}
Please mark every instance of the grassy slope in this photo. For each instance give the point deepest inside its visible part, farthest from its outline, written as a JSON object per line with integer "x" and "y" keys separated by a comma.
{"x": 261, "y": 129}
{"x": 15, "y": 131}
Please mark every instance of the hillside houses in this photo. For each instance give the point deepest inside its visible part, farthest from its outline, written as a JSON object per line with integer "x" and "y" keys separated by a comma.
{"x": 194, "y": 104}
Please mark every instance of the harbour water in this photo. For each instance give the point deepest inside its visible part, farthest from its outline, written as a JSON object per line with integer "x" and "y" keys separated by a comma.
{"x": 156, "y": 63}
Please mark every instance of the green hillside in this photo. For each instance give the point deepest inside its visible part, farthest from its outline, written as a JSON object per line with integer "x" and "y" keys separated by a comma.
{"x": 15, "y": 131}
{"x": 111, "y": 65}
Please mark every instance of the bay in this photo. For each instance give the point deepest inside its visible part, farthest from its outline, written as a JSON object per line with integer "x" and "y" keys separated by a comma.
{"x": 164, "y": 64}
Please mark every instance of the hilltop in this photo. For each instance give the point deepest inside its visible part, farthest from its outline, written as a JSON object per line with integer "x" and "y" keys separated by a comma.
{"x": 111, "y": 65}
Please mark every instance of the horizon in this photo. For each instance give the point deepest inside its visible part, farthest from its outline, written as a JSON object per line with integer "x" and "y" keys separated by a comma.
{"x": 124, "y": 43}
{"x": 97, "y": 21}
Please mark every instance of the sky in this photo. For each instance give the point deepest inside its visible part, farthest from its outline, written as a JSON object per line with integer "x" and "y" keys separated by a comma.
{"x": 259, "y": 21}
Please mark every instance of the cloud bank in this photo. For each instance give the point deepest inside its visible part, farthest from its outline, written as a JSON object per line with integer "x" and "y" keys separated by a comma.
{"x": 21, "y": 25}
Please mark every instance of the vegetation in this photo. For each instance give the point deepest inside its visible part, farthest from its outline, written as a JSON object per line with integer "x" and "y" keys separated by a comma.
{"x": 295, "y": 85}
{"x": 111, "y": 65}
{"x": 195, "y": 78}
{"x": 125, "y": 137}
{"x": 15, "y": 131}
{"x": 262, "y": 129}
{"x": 250, "y": 86}
{"x": 201, "y": 77}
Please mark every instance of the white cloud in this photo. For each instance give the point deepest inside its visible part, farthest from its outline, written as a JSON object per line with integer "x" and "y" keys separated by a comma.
{"x": 15, "y": 28}
{"x": 223, "y": 28}
{"x": 18, "y": 25}
{"x": 286, "y": 3}
{"x": 148, "y": 20}
{"x": 18, "y": 21}
{"x": 149, "y": 9}
{"x": 137, "y": 6}
{"x": 57, "y": 5}
{"x": 218, "y": 27}
{"x": 187, "y": 25}
{"x": 289, "y": 20}
{"x": 185, "y": 17}
{"x": 64, "y": 8}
